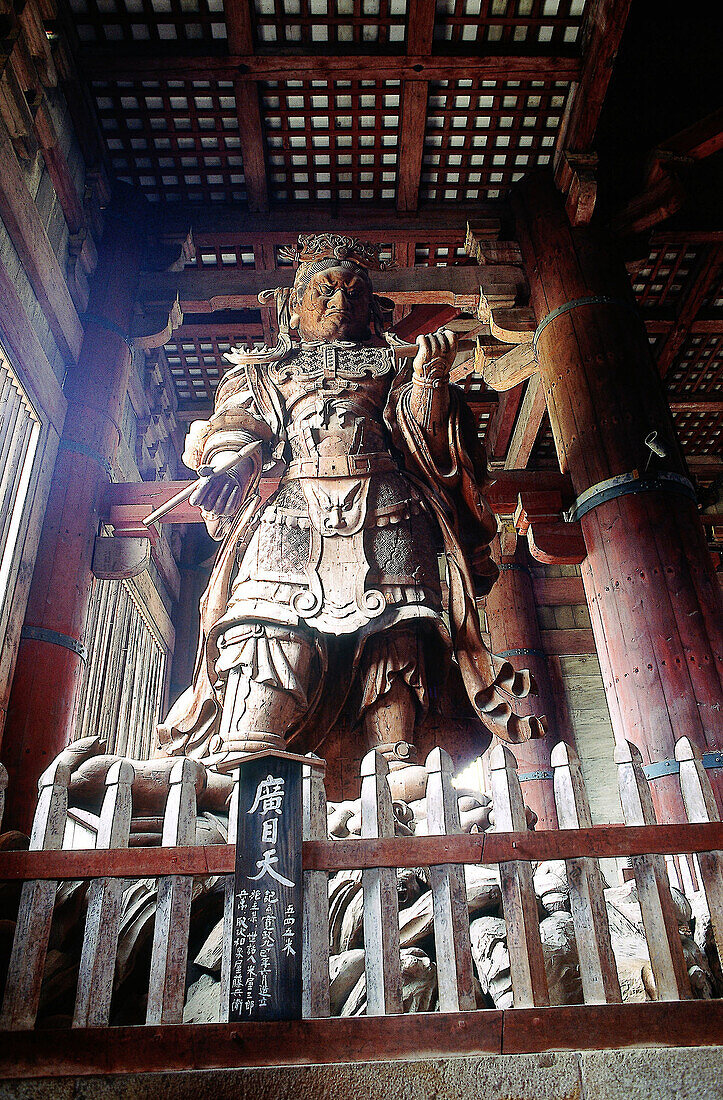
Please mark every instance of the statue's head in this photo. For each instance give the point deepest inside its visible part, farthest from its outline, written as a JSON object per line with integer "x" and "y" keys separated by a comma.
{"x": 333, "y": 302}
{"x": 332, "y": 297}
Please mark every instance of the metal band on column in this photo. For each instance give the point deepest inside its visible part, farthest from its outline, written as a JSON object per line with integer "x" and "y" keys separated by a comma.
{"x": 41, "y": 634}
{"x": 625, "y": 484}
{"x": 593, "y": 300}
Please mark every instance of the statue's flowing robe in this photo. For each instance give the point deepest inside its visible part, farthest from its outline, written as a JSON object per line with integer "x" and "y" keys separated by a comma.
{"x": 466, "y": 527}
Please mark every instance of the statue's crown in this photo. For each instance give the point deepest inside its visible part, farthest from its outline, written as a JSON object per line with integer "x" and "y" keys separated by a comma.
{"x": 313, "y": 247}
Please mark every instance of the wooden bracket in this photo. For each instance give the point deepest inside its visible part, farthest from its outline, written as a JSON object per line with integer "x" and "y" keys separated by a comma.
{"x": 550, "y": 540}
{"x": 156, "y": 330}
{"x": 119, "y": 558}
{"x": 575, "y": 178}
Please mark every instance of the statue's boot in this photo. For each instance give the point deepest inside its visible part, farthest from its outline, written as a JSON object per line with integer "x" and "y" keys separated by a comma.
{"x": 389, "y": 728}
{"x": 266, "y": 693}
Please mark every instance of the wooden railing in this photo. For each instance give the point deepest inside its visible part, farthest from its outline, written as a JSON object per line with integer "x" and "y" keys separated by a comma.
{"x": 92, "y": 1046}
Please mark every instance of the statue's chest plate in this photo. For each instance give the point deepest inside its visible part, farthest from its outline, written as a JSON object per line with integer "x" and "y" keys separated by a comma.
{"x": 335, "y": 397}
{"x": 333, "y": 367}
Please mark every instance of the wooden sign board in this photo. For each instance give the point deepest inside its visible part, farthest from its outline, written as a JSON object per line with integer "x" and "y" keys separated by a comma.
{"x": 268, "y": 900}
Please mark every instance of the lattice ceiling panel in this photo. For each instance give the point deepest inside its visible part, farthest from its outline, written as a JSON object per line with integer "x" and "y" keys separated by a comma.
{"x": 332, "y": 139}
{"x": 195, "y": 357}
{"x": 441, "y": 255}
{"x": 237, "y": 251}
{"x": 552, "y": 23}
{"x": 107, "y": 22}
{"x": 700, "y": 431}
{"x": 483, "y": 135}
{"x": 698, "y": 367}
{"x": 218, "y": 253}
{"x": 175, "y": 140}
{"x": 666, "y": 275}
{"x": 333, "y": 22}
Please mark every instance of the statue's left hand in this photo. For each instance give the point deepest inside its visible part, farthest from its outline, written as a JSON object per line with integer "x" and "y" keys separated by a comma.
{"x": 436, "y": 354}
{"x": 222, "y": 494}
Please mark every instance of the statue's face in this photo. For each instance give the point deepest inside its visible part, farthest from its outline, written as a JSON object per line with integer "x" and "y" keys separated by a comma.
{"x": 336, "y": 306}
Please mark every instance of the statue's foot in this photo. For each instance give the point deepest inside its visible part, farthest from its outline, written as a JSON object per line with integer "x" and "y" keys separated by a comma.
{"x": 407, "y": 780}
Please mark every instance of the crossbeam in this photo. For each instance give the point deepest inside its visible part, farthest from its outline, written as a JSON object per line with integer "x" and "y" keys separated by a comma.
{"x": 113, "y": 64}
{"x": 206, "y": 291}
{"x": 399, "y": 851}
{"x": 171, "y": 1048}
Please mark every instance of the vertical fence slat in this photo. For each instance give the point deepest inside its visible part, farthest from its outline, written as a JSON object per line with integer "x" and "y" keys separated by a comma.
{"x": 37, "y": 900}
{"x": 519, "y": 904}
{"x": 651, "y": 877}
{"x": 229, "y": 898}
{"x": 315, "y": 925}
{"x": 381, "y": 903}
{"x": 598, "y": 972}
{"x": 167, "y": 984}
{"x": 700, "y": 805}
{"x": 100, "y": 939}
{"x": 449, "y": 893}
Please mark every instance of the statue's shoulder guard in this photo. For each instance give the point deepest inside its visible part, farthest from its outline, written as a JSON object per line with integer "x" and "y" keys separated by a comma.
{"x": 248, "y": 389}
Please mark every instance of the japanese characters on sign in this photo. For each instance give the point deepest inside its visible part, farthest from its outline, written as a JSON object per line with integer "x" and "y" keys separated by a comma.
{"x": 266, "y": 935}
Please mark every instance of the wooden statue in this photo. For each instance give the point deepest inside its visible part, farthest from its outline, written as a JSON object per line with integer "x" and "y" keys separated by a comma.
{"x": 328, "y": 595}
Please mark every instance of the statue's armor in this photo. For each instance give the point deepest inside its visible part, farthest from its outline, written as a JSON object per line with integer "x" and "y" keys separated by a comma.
{"x": 347, "y": 544}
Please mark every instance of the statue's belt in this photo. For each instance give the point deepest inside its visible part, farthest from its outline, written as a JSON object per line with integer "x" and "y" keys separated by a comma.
{"x": 340, "y": 466}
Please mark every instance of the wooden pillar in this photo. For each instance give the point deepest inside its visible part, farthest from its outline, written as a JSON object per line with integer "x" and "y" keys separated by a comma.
{"x": 44, "y": 696}
{"x": 652, "y": 592}
{"x": 515, "y": 634}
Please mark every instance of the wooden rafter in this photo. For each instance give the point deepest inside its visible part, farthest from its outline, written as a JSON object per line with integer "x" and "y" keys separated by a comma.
{"x": 420, "y": 35}
{"x": 205, "y": 291}
{"x": 604, "y": 24}
{"x": 527, "y": 427}
{"x": 102, "y": 64}
{"x": 690, "y": 305}
{"x": 252, "y": 145}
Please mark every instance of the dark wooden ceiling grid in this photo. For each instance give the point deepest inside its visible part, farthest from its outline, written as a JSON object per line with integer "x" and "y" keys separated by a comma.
{"x": 483, "y": 135}
{"x": 174, "y": 140}
{"x": 329, "y": 22}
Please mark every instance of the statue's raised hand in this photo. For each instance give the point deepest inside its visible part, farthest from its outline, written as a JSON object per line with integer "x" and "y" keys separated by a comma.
{"x": 219, "y": 491}
{"x": 436, "y": 354}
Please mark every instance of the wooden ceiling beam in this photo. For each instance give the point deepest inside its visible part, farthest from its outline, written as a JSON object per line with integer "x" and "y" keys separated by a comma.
{"x": 502, "y": 424}
{"x": 699, "y": 141}
{"x": 411, "y": 144}
{"x": 602, "y": 31}
{"x": 229, "y": 224}
{"x": 420, "y": 36}
{"x": 239, "y": 31}
{"x": 699, "y": 405}
{"x": 206, "y": 291}
{"x": 251, "y": 134}
{"x": 101, "y": 64}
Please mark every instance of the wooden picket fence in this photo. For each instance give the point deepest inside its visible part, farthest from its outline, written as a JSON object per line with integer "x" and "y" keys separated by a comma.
{"x": 165, "y": 1043}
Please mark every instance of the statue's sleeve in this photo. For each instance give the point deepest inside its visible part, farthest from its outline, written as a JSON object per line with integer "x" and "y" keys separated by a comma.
{"x": 246, "y": 412}
{"x": 237, "y": 420}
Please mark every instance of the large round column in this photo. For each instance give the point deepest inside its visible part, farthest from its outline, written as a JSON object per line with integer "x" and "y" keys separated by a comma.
{"x": 515, "y": 634}
{"x": 653, "y": 595}
{"x": 49, "y": 668}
